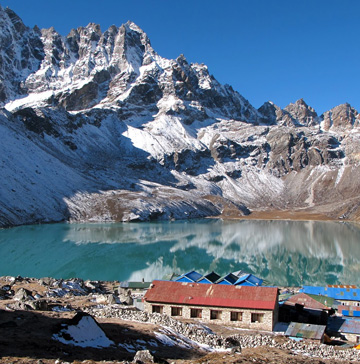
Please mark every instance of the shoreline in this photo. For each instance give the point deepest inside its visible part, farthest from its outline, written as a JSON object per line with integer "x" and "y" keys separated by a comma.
{"x": 286, "y": 215}
{"x": 263, "y": 215}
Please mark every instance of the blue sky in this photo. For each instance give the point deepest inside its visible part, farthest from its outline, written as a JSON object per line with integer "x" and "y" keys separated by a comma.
{"x": 278, "y": 50}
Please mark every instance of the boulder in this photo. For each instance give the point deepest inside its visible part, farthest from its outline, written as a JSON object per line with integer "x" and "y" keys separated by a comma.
{"x": 143, "y": 356}
{"x": 23, "y": 295}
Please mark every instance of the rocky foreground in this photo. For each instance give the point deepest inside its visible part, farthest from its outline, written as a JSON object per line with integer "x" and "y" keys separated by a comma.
{"x": 72, "y": 321}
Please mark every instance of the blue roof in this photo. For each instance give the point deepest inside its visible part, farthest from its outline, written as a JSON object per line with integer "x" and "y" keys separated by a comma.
{"x": 249, "y": 280}
{"x": 338, "y": 293}
{"x": 245, "y": 279}
{"x": 184, "y": 279}
{"x": 212, "y": 277}
{"x": 192, "y": 276}
{"x": 204, "y": 280}
{"x": 209, "y": 278}
{"x": 228, "y": 279}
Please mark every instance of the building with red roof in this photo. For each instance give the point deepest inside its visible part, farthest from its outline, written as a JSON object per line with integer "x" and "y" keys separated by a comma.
{"x": 305, "y": 309}
{"x": 242, "y": 306}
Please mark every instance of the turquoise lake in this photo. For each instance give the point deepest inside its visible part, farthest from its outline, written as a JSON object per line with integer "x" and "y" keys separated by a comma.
{"x": 281, "y": 252}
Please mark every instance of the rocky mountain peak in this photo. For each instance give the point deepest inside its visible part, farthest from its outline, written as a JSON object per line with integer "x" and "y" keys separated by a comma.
{"x": 16, "y": 21}
{"x": 302, "y": 114}
{"x": 269, "y": 113}
{"x": 21, "y": 52}
{"x": 342, "y": 117}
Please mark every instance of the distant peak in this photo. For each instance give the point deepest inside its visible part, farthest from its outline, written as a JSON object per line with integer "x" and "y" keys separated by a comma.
{"x": 182, "y": 60}
{"x": 16, "y": 20}
{"x": 299, "y": 102}
{"x": 268, "y": 105}
{"x": 344, "y": 106}
{"x": 94, "y": 26}
{"x": 130, "y": 25}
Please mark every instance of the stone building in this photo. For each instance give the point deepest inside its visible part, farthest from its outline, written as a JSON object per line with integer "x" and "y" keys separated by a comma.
{"x": 240, "y": 306}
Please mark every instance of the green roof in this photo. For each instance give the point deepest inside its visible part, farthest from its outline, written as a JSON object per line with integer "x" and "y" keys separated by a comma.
{"x": 327, "y": 301}
{"x": 135, "y": 285}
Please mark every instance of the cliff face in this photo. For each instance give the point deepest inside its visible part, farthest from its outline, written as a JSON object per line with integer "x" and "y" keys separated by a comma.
{"x": 97, "y": 126}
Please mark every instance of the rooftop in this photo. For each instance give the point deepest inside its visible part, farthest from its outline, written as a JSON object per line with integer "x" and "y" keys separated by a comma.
{"x": 214, "y": 295}
{"x": 306, "y": 301}
{"x": 340, "y": 324}
{"x": 337, "y": 292}
{"x": 306, "y": 331}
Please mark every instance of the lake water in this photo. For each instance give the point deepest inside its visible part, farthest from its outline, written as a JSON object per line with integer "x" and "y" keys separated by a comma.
{"x": 281, "y": 252}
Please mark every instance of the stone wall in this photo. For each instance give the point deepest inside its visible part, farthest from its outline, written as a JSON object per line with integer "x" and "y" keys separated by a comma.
{"x": 204, "y": 337}
{"x": 247, "y": 319}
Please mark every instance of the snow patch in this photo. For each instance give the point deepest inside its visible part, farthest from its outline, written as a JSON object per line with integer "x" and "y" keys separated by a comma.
{"x": 86, "y": 333}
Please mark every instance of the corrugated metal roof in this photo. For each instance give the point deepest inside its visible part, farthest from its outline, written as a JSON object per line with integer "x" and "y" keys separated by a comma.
{"x": 306, "y": 301}
{"x": 209, "y": 278}
{"x": 306, "y": 331}
{"x": 214, "y": 295}
{"x": 135, "y": 285}
{"x": 347, "y": 326}
{"x": 212, "y": 277}
{"x": 191, "y": 276}
{"x": 249, "y": 279}
{"x": 341, "y": 286}
{"x": 338, "y": 293}
{"x": 228, "y": 279}
{"x": 327, "y": 301}
{"x": 204, "y": 280}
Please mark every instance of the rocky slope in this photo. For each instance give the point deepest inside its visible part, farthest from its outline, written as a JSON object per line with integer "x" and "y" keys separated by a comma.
{"x": 96, "y": 126}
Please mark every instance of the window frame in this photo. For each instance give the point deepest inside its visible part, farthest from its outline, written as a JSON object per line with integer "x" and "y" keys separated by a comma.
{"x": 215, "y": 314}
{"x": 176, "y": 311}
{"x": 157, "y": 309}
{"x": 259, "y": 317}
{"x": 195, "y": 312}
{"x": 236, "y": 316}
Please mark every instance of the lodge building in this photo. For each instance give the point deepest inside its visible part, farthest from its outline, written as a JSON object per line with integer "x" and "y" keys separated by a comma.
{"x": 241, "y": 306}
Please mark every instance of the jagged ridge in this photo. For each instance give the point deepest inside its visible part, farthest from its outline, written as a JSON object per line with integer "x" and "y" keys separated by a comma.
{"x": 98, "y": 126}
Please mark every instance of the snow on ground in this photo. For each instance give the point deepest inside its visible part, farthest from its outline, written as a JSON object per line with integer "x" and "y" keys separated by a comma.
{"x": 86, "y": 333}
{"x": 168, "y": 336}
{"x": 33, "y": 99}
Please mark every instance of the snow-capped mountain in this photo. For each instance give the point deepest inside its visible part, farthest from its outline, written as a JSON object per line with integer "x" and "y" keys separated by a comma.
{"x": 97, "y": 126}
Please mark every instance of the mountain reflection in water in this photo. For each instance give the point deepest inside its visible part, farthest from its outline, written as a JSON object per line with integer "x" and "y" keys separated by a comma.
{"x": 281, "y": 252}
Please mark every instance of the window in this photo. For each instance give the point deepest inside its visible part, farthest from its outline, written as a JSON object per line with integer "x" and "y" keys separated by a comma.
{"x": 176, "y": 311}
{"x": 257, "y": 317}
{"x": 235, "y": 316}
{"x": 215, "y": 315}
{"x": 157, "y": 309}
{"x": 196, "y": 313}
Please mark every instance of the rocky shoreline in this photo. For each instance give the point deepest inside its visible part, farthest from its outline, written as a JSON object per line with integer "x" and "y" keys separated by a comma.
{"x": 63, "y": 299}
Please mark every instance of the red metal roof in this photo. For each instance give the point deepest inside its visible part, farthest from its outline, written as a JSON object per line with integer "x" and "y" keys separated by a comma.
{"x": 306, "y": 301}
{"x": 215, "y": 295}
